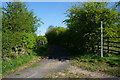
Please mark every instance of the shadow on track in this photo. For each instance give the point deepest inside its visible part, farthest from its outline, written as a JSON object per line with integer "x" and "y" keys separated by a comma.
{"x": 58, "y": 52}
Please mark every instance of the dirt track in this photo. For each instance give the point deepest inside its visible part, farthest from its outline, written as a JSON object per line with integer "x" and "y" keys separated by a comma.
{"x": 56, "y": 62}
{"x": 46, "y": 67}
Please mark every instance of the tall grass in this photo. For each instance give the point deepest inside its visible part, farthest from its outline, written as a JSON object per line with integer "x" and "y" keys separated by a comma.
{"x": 12, "y": 64}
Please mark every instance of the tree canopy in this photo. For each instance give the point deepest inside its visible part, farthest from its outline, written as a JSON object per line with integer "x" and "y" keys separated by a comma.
{"x": 86, "y": 18}
{"x": 18, "y": 30}
{"x": 17, "y": 18}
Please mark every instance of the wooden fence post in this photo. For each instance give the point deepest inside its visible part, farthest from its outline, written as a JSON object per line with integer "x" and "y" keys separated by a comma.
{"x": 102, "y": 39}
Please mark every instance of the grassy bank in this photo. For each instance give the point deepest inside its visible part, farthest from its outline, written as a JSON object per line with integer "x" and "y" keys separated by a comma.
{"x": 92, "y": 62}
{"x": 21, "y": 62}
{"x": 18, "y": 63}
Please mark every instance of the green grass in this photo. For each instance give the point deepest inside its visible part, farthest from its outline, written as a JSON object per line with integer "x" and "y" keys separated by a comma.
{"x": 112, "y": 71}
{"x": 12, "y": 64}
{"x": 93, "y": 62}
{"x": 109, "y": 58}
{"x": 34, "y": 65}
{"x": 17, "y": 74}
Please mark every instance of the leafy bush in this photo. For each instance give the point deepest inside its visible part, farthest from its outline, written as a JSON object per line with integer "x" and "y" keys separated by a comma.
{"x": 84, "y": 25}
{"x": 41, "y": 40}
{"x": 29, "y": 40}
{"x": 17, "y": 43}
{"x": 41, "y": 45}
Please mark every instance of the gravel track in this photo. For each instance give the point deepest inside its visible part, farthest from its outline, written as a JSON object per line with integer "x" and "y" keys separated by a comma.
{"x": 57, "y": 61}
{"x": 46, "y": 67}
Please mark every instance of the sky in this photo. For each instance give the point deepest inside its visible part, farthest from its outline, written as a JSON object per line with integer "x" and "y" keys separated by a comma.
{"x": 51, "y": 13}
{"x": 61, "y": 0}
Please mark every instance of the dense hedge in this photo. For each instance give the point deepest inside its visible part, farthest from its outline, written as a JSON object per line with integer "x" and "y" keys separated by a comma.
{"x": 72, "y": 40}
{"x": 17, "y": 44}
{"x": 56, "y": 35}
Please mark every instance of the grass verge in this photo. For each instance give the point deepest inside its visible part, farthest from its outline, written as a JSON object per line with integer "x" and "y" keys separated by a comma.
{"x": 24, "y": 61}
{"x": 34, "y": 65}
{"x": 92, "y": 62}
{"x": 18, "y": 63}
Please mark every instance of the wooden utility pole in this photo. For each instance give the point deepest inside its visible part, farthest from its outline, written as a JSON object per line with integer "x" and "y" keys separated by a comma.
{"x": 101, "y": 39}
